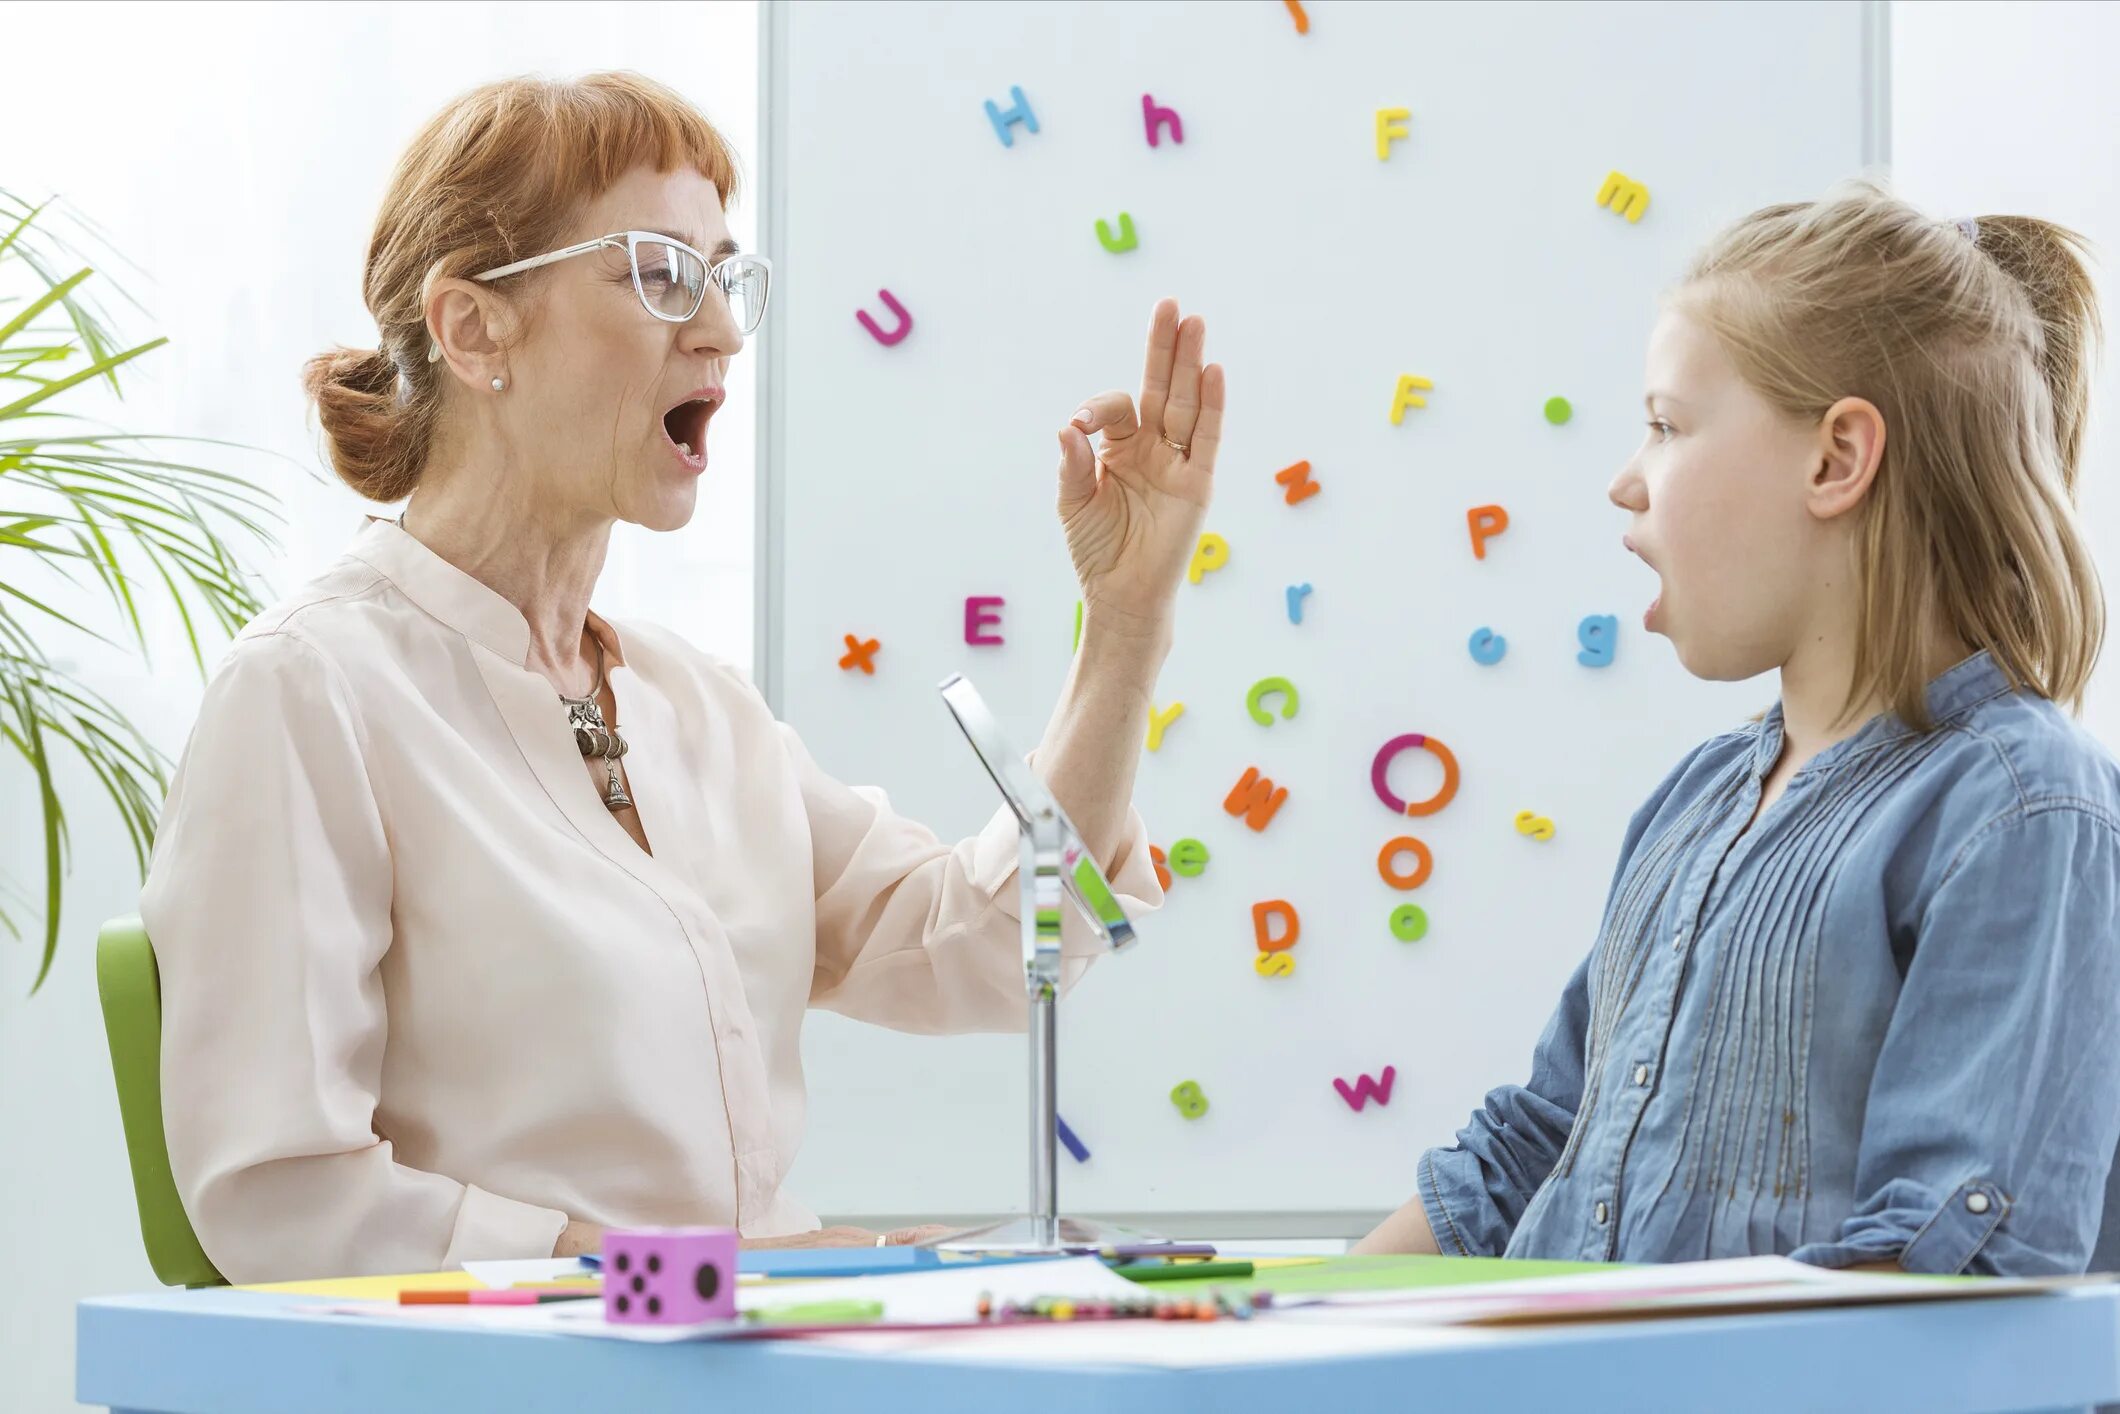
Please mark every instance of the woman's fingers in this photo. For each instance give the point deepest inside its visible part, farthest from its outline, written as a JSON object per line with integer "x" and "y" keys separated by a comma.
{"x": 1109, "y": 413}
{"x": 1181, "y": 411}
{"x": 1207, "y": 432}
{"x": 819, "y": 1237}
{"x": 1155, "y": 374}
{"x": 910, "y": 1236}
{"x": 1078, "y": 469}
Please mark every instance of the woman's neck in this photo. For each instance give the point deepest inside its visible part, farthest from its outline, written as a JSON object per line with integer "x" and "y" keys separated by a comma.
{"x": 544, "y": 564}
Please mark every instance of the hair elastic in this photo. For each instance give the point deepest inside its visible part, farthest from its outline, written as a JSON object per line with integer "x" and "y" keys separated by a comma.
{"x": 1969, "y": 228}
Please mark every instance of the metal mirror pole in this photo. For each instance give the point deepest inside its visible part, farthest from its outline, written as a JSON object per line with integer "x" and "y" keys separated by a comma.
{"x": 1053, "y": 865}
{"x": 1040, "y": 872}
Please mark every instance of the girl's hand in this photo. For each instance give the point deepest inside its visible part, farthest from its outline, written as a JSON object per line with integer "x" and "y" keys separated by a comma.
{"x": 1133, "y": 508}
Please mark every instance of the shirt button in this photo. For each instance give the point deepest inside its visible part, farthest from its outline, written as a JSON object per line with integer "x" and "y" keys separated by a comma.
{"x": 1602, "y": 1213}
{"x": 1641, "y": 1075}
{"x": 1976, "y": 1202}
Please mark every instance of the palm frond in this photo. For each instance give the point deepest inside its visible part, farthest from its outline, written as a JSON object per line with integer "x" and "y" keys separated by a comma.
{"x": 85, "y": 506}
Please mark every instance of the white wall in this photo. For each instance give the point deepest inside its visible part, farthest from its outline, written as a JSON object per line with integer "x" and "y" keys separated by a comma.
{"x": 236, "y": 154}
{"x": 2011, "y": 109}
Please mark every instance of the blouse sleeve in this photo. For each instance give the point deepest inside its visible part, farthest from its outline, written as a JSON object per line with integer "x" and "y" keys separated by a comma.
{"x": 924, "y": 936}
{"x": 268, "y": 904}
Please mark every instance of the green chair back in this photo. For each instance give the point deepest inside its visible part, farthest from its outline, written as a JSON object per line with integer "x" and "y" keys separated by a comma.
{"x": 131, "y": 988}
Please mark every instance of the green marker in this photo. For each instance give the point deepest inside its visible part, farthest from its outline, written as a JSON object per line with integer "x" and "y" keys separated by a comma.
{"x": 818, "y": 1313}
{"x": 1182, "y": 1271}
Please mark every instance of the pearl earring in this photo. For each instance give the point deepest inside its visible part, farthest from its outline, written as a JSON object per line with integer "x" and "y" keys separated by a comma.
{"x": 499, "y": 383}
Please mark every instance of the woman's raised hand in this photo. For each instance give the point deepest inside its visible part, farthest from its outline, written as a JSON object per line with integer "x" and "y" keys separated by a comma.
{"x": 1132, "y": 508}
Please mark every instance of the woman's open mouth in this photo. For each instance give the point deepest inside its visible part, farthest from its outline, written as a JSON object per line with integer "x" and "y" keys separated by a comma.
{"x": 685, "y": 426}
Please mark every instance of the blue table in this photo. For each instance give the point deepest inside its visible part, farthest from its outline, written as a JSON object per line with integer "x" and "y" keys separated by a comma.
{"x": 234, "y": 1352}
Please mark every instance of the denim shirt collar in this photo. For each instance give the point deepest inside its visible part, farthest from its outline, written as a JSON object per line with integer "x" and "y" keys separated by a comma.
{"x": 1951, "y": 695}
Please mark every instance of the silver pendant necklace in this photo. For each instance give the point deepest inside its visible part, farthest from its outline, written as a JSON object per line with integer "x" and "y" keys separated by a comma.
{"x": 596, "y": 739}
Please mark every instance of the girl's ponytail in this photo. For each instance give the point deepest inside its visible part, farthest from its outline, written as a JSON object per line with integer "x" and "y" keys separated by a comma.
{"x": 2050, "y": 263}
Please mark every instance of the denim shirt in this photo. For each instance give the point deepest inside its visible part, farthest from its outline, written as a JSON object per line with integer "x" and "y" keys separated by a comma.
{"x": 1881, "y": 1022}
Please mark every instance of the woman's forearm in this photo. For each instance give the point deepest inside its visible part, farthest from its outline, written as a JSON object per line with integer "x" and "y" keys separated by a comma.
{"x": 1093, "y": 744}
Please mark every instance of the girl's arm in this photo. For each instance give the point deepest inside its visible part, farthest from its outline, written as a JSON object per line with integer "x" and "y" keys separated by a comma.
{"x": 1469, "y": 1197}
{"x": 1404, "y": 1231}
{"x": 1994, "y": 1109}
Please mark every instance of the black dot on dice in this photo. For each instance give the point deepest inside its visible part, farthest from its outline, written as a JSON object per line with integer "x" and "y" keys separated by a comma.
{"x": 707, "y": 1280}
{"x": 625, "y": 1304}
{"x": 655, "y": 1305}
{"x": 640, "y": 1284}
{"x": 625, "y": 1263}
{"x": 654, "y": 1264}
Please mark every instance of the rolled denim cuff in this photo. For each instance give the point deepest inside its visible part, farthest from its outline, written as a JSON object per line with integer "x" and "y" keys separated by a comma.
{"x": 1947, "y": 1241}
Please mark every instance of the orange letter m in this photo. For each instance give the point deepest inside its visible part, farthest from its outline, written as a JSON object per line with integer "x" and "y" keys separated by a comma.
{"x": 1255, "y": 798}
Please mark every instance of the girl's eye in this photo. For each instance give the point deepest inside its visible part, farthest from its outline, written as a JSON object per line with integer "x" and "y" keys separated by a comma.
{"x": 1661, "y": 428}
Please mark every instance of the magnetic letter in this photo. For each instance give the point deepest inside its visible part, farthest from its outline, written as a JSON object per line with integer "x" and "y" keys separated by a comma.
{"x": 1599, "y": 635}
{"x": 977, "y": 616}
{"x": 905, "y": 320}
{"x": 1155, "y": 117}
{"x": 1262, "y": 925}
{"x": 1157, "y": 721}
{"x": 1256, "y": 798}
{"x": 1486, "y": 523}
{"x": 1408, "y": 396}
{"x": 1212, "y": 555}
{"x": 1126, "y": 239}
{"x": 1004, "y": 118}
{"x": 1390, "y": 126}
{"x": 1297, "y": 479}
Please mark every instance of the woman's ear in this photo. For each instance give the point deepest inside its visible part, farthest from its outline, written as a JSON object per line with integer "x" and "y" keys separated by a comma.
{"x": 1850, "y": 449}
{"x": 464, "y": 323}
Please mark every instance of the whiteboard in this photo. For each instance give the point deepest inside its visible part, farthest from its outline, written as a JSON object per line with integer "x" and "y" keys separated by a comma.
{"x": 901, "y": 479}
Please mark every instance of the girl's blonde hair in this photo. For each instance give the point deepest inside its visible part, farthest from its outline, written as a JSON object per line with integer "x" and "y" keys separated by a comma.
{"x": 500, "y": 174}
{"x": 1975, "y": 341}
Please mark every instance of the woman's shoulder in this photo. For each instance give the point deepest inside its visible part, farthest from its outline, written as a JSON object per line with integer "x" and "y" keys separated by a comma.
{"x": 668, "y": 658}
{"x": 312, "y": 626}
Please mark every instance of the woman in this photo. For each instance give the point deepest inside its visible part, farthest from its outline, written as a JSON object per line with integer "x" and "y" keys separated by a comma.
{"x": 485, "y": 922}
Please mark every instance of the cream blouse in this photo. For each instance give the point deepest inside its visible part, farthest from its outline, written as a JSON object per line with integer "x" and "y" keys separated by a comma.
{"x": 425, "y": 1000}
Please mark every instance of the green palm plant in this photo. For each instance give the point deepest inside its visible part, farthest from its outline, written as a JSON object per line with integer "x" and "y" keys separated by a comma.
{"x": 79, "y": 502}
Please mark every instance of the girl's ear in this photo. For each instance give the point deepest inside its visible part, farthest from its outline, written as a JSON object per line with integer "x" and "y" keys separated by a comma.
{"x": 1850, "y": 449}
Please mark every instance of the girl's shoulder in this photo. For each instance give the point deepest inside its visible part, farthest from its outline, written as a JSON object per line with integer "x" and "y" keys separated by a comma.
{"x": 2025, "y": 752}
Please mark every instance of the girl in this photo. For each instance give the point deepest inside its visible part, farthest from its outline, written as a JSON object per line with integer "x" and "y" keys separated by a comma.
{"x": 1856, "y": 994}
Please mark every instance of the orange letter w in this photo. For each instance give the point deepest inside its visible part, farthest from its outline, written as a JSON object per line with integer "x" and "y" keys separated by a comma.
{"x": 1255, "y": 798}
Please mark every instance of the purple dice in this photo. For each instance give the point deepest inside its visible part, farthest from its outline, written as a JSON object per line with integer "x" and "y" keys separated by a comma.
{"x": 670, "y": 1276}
